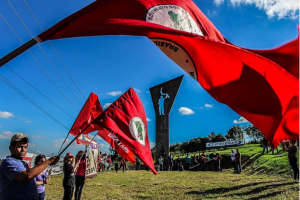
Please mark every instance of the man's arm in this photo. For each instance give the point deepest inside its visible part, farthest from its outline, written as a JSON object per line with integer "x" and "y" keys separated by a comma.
{"x": 31, "y": 173}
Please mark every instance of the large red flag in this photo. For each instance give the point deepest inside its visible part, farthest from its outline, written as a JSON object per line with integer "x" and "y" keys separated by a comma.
{"x": 126, "y": 119}
{"x": 91, "y": 109}
{"x": 261, "y": 89}
{"x": 121, "y": 148}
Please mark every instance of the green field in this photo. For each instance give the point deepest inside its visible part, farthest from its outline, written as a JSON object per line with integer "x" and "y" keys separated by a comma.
{"x": 181, "y": 185}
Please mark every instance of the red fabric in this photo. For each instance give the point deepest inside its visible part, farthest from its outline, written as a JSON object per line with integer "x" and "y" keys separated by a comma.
{"x": 287, "y": 56}
{"x": 117, "y": 118}
{"x": 91, "y": 109}
{"x": 255, "y": 87}
{"x": 119, "y": 146}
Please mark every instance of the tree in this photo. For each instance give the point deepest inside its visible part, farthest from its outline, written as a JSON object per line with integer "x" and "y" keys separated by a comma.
{"x": 253, "y": 132}
{"x": 211, "y": 136}
{"x": 204, "y": 140}
{"x": 219, "y": 138}
{"x": 235, "y": 133}
{"x": 194, "y": 144}
{"x": 184, "y": 147}
{"x": 175, "y": 147}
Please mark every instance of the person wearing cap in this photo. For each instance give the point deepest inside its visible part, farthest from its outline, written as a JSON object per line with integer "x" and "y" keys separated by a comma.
{"x": 16, "y": 178}
{"x": 69, "y": 176}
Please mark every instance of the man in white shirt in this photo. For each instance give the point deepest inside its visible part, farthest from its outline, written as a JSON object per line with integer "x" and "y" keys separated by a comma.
{"x": 233, "y": 160}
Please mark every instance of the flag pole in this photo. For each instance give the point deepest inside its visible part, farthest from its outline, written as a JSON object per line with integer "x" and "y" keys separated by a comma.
{"x": 17, "y": 52}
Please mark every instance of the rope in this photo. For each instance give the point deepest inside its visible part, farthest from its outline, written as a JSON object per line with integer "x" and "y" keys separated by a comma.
{"x": 30, "y": 100}
{"x": 37, "y": 61}
{"x": 54, "y": 50}
{"x": 44, "y": 53}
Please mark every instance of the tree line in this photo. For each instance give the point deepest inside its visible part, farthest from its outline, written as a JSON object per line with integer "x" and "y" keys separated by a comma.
{"x": 235, "y": 133}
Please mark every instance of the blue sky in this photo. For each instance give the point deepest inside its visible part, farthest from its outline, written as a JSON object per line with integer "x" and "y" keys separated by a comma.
{"x": 109, "y": 65}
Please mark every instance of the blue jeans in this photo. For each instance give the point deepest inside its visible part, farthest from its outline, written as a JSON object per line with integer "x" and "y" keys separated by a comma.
{"x": 41, "y": 196}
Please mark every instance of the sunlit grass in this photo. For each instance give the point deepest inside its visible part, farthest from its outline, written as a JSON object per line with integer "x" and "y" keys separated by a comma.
{"x": 181, "y": 185}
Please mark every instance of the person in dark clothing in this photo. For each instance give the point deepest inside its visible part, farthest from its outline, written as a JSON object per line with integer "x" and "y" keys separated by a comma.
{"x": 292, "y": 155}
{"x": 80, "y": 173}
{"x": 265, "y": 145}
{"x": 179, "y": 163}
{"x": 69, "y": 176}
{"x": 138, "y": 163}
{"x": 116, "y": 165}
{"x": 123, "y": 164}
{"x": 218, "y": 159}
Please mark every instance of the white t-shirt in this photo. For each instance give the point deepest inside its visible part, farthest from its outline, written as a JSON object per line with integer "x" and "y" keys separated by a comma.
{"x": 233, "y": 157}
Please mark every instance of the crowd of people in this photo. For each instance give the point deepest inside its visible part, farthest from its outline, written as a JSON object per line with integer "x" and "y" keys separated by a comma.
{"x": 19, "y": 181}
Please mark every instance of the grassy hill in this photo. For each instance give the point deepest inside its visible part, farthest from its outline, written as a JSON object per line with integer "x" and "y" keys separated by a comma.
{"x": 257, "y": 163}
{"x": 181, "y": 185}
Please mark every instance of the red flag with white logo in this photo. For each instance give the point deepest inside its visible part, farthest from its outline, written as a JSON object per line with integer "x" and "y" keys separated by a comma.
{"x": 91, "y": 109}
{"x": 121, "y": 148}
{"x": 126, "y": 119}
{"x": 264, "y": 90}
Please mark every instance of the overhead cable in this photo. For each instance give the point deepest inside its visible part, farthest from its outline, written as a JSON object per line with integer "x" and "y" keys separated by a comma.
{"x": 43, "y": 52}
{"x": 38, "y": 63}
{"x": 54, "y": 50}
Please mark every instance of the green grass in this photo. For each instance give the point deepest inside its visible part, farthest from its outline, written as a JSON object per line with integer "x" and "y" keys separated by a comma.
{"x": 181, "y": 185}
{"x": 256, "y": 162}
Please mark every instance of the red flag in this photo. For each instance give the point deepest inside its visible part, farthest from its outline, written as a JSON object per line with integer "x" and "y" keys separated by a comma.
{"x": 126, "y": 119}
{"x": 257, "y": 88}
{"x": 91, "y": 109}
{"x": 119, "y": 146}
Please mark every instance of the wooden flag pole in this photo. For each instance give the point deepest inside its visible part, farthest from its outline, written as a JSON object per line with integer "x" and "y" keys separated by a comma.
{"x": 17, "y": 52}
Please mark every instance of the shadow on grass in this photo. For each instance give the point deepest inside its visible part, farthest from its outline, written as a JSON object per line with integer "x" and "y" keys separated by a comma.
{"x": 223, "y": 190}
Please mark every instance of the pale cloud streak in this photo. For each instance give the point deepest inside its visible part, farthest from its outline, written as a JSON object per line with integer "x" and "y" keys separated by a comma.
{"x": 114, "y": 93}
{"x": 241, "y": 120}
{"x": 208, "y": 105}
{"x": 148, "y": 120}
{"x": 186, "y": 111}
{"x": 273, "y": 8}
{"x": 106, "y": 105}
{"x": 5, "y": 115}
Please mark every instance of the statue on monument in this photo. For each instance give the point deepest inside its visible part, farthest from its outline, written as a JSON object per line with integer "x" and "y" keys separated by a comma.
{"x": 161, "y": 102}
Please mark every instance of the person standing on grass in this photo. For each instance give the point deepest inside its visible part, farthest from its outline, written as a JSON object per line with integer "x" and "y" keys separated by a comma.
{"x": 80, "y": 174}
{"x": 179, "y": 163}
{"x": 161, "y": 163}
{"x": 170, "y": 160}
{"x": 69, "y": 176}
{"x": 218, "y": 159}
{"x": 109, "y": 163}
{"x": 187, "y": 162}
{"x": 292, "y": 155}
{"x": 195, "y": 160}
{"x": 238, "y": 161}
{"x": 137, "y": 163}
{"x": 233, "y": 160}
{"x": 123, "y": 164}
{"x": 16, "y": 178}
{"x": 265, "y": 145}
{"x": 42, "y": 178}
{"x": 202, "y": 160}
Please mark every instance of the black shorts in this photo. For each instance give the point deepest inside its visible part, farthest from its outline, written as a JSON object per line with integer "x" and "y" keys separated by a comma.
{"x": 170, "y": 164}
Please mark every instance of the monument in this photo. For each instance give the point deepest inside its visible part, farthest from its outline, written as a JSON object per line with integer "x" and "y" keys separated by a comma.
{"x": 163, "y": 96}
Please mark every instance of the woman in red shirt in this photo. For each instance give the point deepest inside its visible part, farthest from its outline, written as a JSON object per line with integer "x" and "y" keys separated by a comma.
{"x": 80, "y": 174}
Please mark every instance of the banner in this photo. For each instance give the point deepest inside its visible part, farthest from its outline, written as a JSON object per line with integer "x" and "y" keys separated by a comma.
{"x": 91, "y": 170}
{"x": 225, "y": 143}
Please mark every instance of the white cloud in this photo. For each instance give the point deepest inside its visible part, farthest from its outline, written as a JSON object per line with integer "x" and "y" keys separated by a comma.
{"x": 114, "y": 93}
{"x": 273, "y": 8}
{"x": 240, "y": 120}
{"x": 6, "y": 135}
{"x": 218, "y": 2}
{"x": 58, "y": 143}
{"x": 38, "y": 136}
{"x": 148, "y": 92}
{"x": 186, "y": 111}
{"x": 106, "y": 105}
{"x": 148, "y": 120}
{"x": 5, "y": 114}
{"x": 208, "y": 105}
{"x": 137, "y": 90}
{"x": 26, "y": 120}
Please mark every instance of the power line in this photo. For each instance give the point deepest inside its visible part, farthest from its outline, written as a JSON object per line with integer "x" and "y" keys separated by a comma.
{"x": 43, "y": 51}
{"x": 38, "y": 63}
{"x": 54, "y": 50}
{"x": 39, "y": 92}
{"x": 31, "y": 101}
